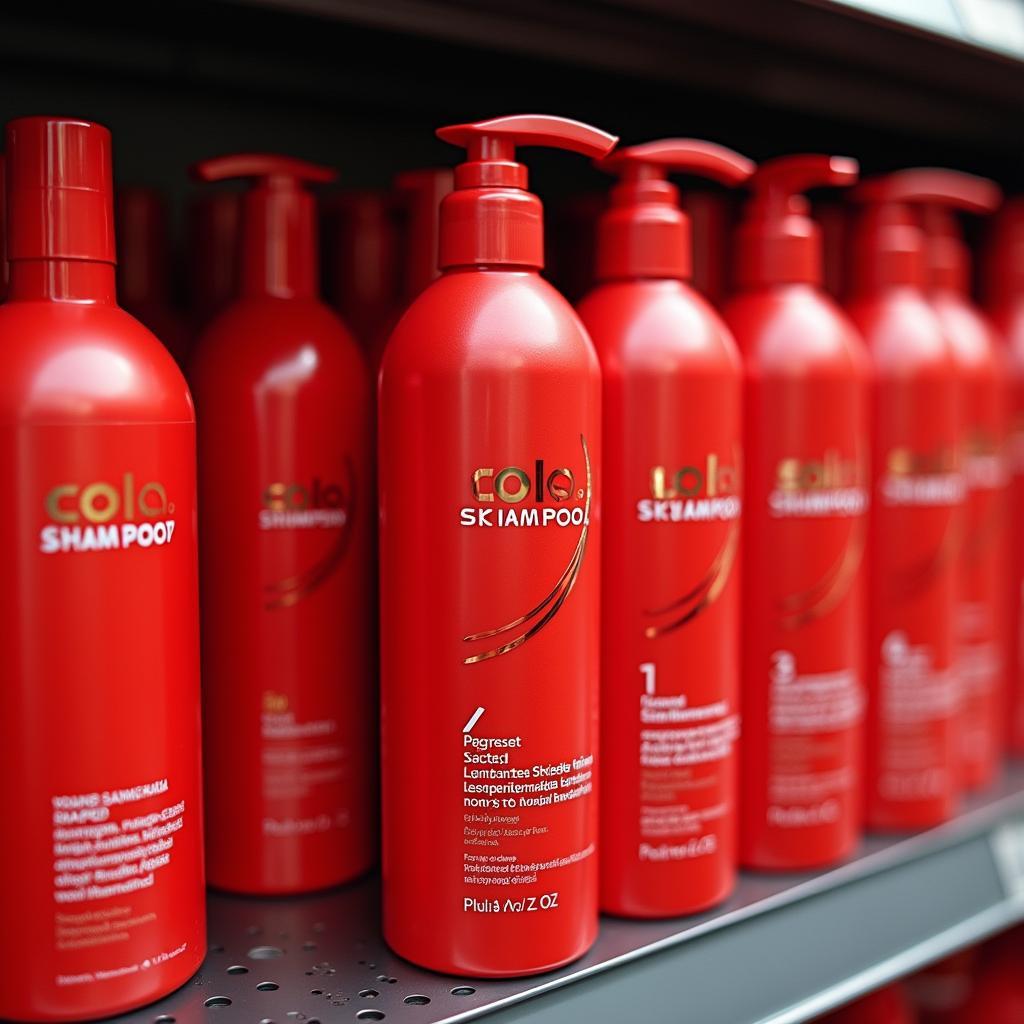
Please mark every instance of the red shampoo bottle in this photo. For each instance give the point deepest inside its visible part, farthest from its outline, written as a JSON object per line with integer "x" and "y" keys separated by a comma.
{"x": 670, "y": 588}
{"x": 99, "y": 739}
{"x": 362, "y": 258}
{"x": 420, "y": 193}
{"x": 912, "y": 775}
{"x": 144, "y": 271}
{"x": 286, "y": 517}
{"x": 212, "y": 245}
{"x": 805, "y": 529}
{"x": 980, "y": 358}
{"x": 490, "y": 455}
{"x": 1004, "y": 300}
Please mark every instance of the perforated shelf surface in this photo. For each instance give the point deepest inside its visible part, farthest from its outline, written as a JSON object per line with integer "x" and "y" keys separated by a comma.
{"x": 783, "y": 949}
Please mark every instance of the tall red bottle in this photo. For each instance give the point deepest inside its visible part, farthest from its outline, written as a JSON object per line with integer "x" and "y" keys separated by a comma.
{"x": 711, "y": 216}
{"x": 672, "y": 390}
{"x": 144, "y": 270}
{"x": 912, "y": 773}
{"x": 980, "y": 618}
{"x": 805, "y": 529}
{"x": 420, "y": 193}
{"x": 489, "y": 468}
{"x": 362, "y": 261}
{"x": 211, "y": 271}
{"x": 101, "y": 873}
{"x": 287, "y": 597}
{"x": 1004, "y": 302}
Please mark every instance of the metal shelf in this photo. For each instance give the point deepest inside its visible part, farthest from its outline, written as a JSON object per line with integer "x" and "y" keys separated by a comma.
{"x": 784, "y": 949}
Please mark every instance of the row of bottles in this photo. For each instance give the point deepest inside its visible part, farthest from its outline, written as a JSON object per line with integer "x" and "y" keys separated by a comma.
{"x": 611, "y": 540}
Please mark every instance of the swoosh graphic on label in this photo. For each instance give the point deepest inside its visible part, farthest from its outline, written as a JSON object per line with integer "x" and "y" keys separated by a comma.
{"x": 556, "y": 598}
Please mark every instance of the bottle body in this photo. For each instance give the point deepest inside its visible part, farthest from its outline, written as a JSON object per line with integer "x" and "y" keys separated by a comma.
{"x": 285, "y": 515}
{"x": 805, "y": 449}
{"x": 672, "y": 388}
{"x": 104, "y": 871}
{"x": 1009, "y": 321}
{"x": 981, "y": 605}
{"x": 912, "y": 776}
{"x": 489, "y": 462}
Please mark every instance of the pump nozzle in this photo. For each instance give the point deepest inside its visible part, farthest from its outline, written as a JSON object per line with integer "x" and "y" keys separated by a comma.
{"x": 888, "y": 243}
{"x": 654, "y": 160}
{"x": 938, "y": 192}
{"x": 278, "y": 254}
{"x": 779, "y": 243}
{"x": 644, "y": 233}
{"x": 490, "y": 218}
{"x": 269, "y": 166}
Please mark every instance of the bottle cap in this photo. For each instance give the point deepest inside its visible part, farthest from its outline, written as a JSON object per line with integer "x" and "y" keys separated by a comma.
{"x": 778, "y": 241}
{"x": 490, "y": 217}
{"x": 937, "y": 194}
{"x": 644, "y": 232}
{"x": 60, "y": 190}
{"x": 278, "y": 241}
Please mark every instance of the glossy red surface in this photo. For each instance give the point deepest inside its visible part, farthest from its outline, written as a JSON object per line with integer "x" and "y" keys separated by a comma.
{"x": 489, "y": 421}
{"x": 671, "y": 595}
{"x": 912, "y": 774}
{"x": 672, "y": 468}
{"x": 286, "y": 506}
{"x": 489, "y": 218}
{"x": 985, "y": 398}
{"x": 101, "y": 876}
{"x": 805, "y": 532}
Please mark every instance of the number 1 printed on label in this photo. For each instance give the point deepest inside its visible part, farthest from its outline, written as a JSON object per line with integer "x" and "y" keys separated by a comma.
{"x": 649, "y": 671}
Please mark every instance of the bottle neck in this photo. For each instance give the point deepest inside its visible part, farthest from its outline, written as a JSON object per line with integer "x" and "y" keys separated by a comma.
{"x": 58, "y": 280}
{"x": 278, "y": 244}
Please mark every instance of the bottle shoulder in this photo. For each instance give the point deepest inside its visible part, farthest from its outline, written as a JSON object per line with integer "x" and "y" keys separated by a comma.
{"x": 276, "y": 343}
{"x": 69, "y": 362}
{"x": 970, "y": 335}
{"x": 657, "y": 325}
{"x": 489, "y": 320}
{"x": 795, "y": 330}
{"x": 1008, "y": 319}
{"x": 902, "y": 333}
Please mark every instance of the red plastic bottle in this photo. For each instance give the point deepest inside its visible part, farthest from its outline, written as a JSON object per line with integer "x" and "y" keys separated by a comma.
{"x": 981, "y": 612}
{"x": 912, "y": 775}
{"x": 143, "y": 271}
{"x": 101, "y": 872}
{"x": 361, "y": 248}
{"x": 490, "y": 456}
{"x": 1004, "y": 302}
{"x": 888, "y": 1005}
{"x": 671, "y": 519}
{"x": 711, "y": 217}
{"x": 420, "y": 193}
{"x": 212, "y": 253}
{"x": 805, "y": 529}
{"x": 286, "y": 509}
